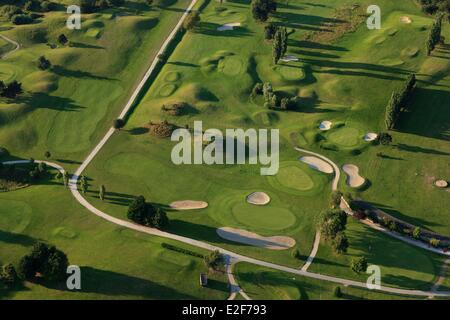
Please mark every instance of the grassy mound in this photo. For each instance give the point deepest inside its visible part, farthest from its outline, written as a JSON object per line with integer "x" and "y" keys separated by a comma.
{"x": 410, "y": 52}
{"x": 172, "y": 76}
{"x": 265, "y": 217}
{"x": 231, "y": 65}
{"x": 291, "y": 73}
{"x": 346, "y": 137}
{"x": 167, "y": 89}
{"x": 15, "y": 216}
{"x": 391, "y": 62}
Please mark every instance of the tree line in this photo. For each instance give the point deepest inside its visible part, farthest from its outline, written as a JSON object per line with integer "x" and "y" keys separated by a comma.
{"x": 434, "y": 37}
{"x": 400, "y": 100}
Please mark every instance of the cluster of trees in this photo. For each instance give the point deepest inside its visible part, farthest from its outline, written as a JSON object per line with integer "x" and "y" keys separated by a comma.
{"x": 10, "y": 90}
{"x": 26, "y": 13}
{"x": 8, "y": 276}
{"x": 433, "y": 6}
{"x": 434, "y": 36}
{"x": 46, "y": 261}
{"x": 38, "y": 171}
{"x": 272, "y": 100}
{"x": 44, "y": 63}
{"x": 89, "y": 6}
{"x": 146, "y": 214}
{"x": 192, "y": 20}
{"x": 279, "y": 45}
{"x": 261, "y": 9}
{"x": 399, "y": 101}
{"x": 359, "y": 265}
{"x": 332, "y": 228}
{"x": 214, "y": 260}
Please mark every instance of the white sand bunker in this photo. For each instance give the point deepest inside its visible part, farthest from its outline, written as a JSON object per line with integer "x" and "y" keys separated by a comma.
{"x": 289, "y": 58}
{"x": 188, "y": 205}
{"x": 354, "y": 180}
{"x": 441, "y": 183}
{"x": 405, "y": 19}
{"x": 371, "y": 136}
{"x": 317, "y": 164}
{"x": 254, "y": 239}
{"x": 258, "y": 198}
{"x": 325, "y": 125}
{"x": 229, "y": 26}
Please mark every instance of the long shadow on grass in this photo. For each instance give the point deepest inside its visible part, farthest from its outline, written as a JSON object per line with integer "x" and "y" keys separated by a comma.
{"x": 415, "y": 149}
{"x": 64, "y": 72}
{"x": 85, "y": 45}
{"x": 305, "y": 21}
{"x": 111, "y": 283}
{"x": 46, "y": 101}
{"x": 304, "y": 44}
{"x": 16, "y": 238}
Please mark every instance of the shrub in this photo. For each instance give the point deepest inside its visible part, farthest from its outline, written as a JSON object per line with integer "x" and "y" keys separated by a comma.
{"x": 44, "y": 63}
{"x": 338, "y": 292}
{"x": 182, "y": 250}
{"x": 214, "y": 260}
{"x": 359, "y": 265}
{"x": 21, "y": 19}
{"x": 296, "y": 254}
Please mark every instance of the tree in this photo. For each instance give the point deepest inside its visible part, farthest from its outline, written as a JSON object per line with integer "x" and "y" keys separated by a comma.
{"x": 385, "y": 138}
{"x": 192, "y": 20}
{"x": 335, "y": 201}
{"x": 159, "y": 219}
{"x": 262, "y": 8}
{"x": 337, "y": 292}
{"x": 44, "y": 63}
{"x": 118, "y": 123}
{"x": 47, "y": 154}
{"x": 340, "y": 243}
{"x": 62, "y": 39}
{"x": 296, "y": 254}
{"x": 65, "y": 178}
{"x": 359, "y": 265}
{"x": 333, "y": 222}
{"x": 84, "y": 184}
{"x": 149, "y": 2}
{"x": 8, "y": 275}
{"x": 435, "y": 242}
{"x": 417, "y": 233}
{"x": 393, "y": 226}
{"x": 11, "y": 90}
{"x": 279, "y": 45}
{"x": 269, "y": 31}
{"x": 101, "y": 193}
{"x": 434, "y": 37}
{"x": 27, "y": 268}
{"x": 137, "y": 210}
{"x": 214, "y": 260}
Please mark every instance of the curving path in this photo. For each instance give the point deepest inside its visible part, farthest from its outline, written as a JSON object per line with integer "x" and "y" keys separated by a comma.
{"x": 4, "y": 56}
{"x": 334, "y": 186}
{"x": 234, "y": 287}
{"x": 236, "y": 257}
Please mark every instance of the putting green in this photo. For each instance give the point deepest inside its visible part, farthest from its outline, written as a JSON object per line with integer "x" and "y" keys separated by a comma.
{"x": 231, "y": 65}
{"x": 346, "y": 137}
{"x": 15, "y": 216}
{"x": 295, "y": 178}
{"x": 167, "y": 90}
{"x": 291, "y": 73}
{"x": 64, "y": 232}
{"x": 94, "y": 32}
{"x": 268, "y": 217}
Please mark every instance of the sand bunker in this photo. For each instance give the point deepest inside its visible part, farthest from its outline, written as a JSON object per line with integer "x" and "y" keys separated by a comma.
{"x": 354, "y": 180}
{"x": 317, "y": 164}
{"x": 325, "y": 125}
{"x": 228, "y": 26}
{"x": 371, "y": 136}
{"x": 289, "y": 58}
{"x": 405, "y": 19}
{"x": 258, "y": 198}
{"x": 441, "y": 184}
{"x": 188, "y": 205}
{"x": 254, "y": 239}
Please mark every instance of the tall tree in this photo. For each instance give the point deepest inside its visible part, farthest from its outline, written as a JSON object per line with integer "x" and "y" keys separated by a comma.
{"x": 102, "y": 192}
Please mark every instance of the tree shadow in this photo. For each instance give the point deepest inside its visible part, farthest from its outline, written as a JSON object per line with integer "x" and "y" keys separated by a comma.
{"x": 417, "y": 149}
{"x": 85, "y": 45}
{"x": 305, "y": 44}
{"x": 305, "y": 21}
{"x": 183, "y": 64}
{"x": 64, "y": 72}
{"x": 16, "y": 238}
{"x": 43, "y": 100}
{"x": 68, "y": 161}
{"x": 138, "y": 131}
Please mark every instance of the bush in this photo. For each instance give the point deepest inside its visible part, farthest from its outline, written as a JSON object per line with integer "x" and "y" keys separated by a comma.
{"x": 21, "y": 19}
{"x": 296, "y": 254}
{"x": 44, "y": 63}
{"x": 182, "y": 250}
{"x": 359, "y": 265}
{"x": 338, "y": 292}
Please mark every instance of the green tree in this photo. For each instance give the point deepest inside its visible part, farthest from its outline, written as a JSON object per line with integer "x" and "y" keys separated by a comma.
{"x": 417, "y": 233}
{"x": 214, "y": 260}
{"x": 137, "y": 210}
{"x": 44, "y": 63}
{"x": 65, "y": 178}
{"x": 333, "y": 222}
{"x": 47, "y": 154}
{"x": 102, "y": 192}
{"x": 385, "y": 138}
{"x": 159, "y": 219}
{"x": 296, "y": 254}
{"x": 192, "y": 20}
{"x": 340, "y": 243}
{"x": 359, "y": 265}
{"x": 262, "y": 8}
{"x": 118, "y": 123}
{"x": 62, "y": 39}
{"x": 337, "y": 292}
{"x": 8, "y": 275}
{"x": 335, "y": 201}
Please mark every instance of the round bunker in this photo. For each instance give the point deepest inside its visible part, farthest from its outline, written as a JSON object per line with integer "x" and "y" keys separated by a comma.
{"x": 289, "y": 58}
{"x": 371, "y": 136}
{"x": 354, "y": 180}
{"x": 188, "y": 205}
{"x": 317, "y": 164}
{"x": 325, "y": 125}
{"x": 258, "y": 198}
{"x": 441, "y": 183}
{"x": 254, "y": 239}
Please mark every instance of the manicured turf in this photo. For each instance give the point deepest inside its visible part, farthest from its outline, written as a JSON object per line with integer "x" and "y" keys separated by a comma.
{"x": 267, "y": 284}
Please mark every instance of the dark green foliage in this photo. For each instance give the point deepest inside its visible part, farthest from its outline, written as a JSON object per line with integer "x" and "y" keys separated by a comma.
{"x": 434, "y": 37}
{"x": 336, "y": 196}
{"x": 21, "y": 19}
{"x": 279, "y": 45}
{"x": 192, "y": 20}
{"x": 338, "y": 292}
{"x": 11, "y": 90}
{"x": 50, "y": 262}
{"x": 8, "y": 276}
{"x": 44, "y": 63}
{"x": 262, "y": 8}
{"x": 400, "y": 99}
{"x": 145, "y": 214}
{"x": 340, "y": 243}
{"x": 269, "y": 31}
{"x": 333, "y": 222}
{"x": 62, "y": 39}
{"x": 181, "y": 250}
{"x": 118, "y": 123}
{"x": 214, "y": 260}
{"x": 359, "y": 265}
{"x": 296, "y": 254}
{"x": 385, "y": 138}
